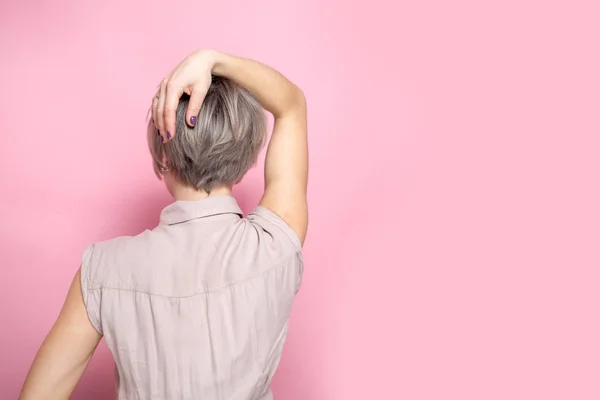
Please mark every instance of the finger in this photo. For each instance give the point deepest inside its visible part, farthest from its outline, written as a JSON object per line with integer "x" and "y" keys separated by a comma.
{"x": 173, "y": 94}
{"x": 196, "y": 99}
{"x": 154, "y": 109}
{"x": 155, "y": 105}
{"x": 159, "y": 120}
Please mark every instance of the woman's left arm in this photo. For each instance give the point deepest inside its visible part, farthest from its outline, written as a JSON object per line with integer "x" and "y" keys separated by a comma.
{"x": 65, "y": 353}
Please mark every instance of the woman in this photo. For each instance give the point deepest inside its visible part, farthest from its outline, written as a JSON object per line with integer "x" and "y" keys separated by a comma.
{"x": 198, "y": 307}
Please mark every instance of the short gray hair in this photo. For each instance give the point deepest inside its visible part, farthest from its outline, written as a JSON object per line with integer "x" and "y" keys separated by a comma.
{"x": 230, "y": 132}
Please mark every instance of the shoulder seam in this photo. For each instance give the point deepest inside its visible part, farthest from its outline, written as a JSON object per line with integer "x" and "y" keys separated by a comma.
{"x": 276, "y": 265}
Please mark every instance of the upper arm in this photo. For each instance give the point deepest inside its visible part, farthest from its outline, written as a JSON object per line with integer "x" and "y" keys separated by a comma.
{"x": 66, "y": 351}
{"x": 286, "y": 170}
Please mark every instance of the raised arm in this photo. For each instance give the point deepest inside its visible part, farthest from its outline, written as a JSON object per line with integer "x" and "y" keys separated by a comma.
{"x": 286, "y": 166}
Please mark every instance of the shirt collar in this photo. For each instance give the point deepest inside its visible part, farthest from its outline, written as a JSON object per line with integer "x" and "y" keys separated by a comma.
{"x": 183, "y": 211}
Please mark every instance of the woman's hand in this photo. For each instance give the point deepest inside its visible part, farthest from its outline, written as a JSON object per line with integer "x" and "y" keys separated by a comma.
{"x": 192, "y": 76}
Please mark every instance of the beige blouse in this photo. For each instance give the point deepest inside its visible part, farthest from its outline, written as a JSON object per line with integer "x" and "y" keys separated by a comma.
{"x": 198, "y": 307}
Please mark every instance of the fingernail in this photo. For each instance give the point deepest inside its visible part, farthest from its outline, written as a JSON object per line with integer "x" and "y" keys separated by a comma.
{"x": 168, "y": 135}
{"x": 193, "y": 120}
{"x": 162, "y": 139}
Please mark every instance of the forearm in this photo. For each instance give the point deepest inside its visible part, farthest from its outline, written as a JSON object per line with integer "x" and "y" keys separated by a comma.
{"x": 277, "y": 94}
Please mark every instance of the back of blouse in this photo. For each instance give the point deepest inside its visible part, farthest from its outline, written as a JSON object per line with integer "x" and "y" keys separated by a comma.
{"x": 197, "y": 308}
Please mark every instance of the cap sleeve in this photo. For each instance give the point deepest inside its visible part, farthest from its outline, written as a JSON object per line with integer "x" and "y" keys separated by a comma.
{"x": 284, "y": 235}
{"x": 275, "y": 225}
{"x": 91, "y": 292}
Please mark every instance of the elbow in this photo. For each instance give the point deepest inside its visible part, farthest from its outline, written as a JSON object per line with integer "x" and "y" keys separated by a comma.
{"x": 293, "y": 104}
{"x": 300, "y": 98}
{"x": 297, "y": 103}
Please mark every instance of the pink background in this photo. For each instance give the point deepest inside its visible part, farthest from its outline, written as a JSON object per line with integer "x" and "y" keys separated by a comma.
{"x": 453, "y": 251}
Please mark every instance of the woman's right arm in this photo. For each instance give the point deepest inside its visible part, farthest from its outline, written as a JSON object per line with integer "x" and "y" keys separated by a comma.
{"x": 286, "y": 164}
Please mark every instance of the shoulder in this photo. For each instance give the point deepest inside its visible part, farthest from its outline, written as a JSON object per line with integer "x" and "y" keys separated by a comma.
{"x": 102, "y": 260}
{"x": 269, "y": 236}
{"x": 262, "y": 244}
{"x": 257, "y": 243}
{"x": 268, "y": 223}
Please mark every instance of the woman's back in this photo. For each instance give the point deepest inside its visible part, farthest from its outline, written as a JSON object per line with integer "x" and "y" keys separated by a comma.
{"x": 197, "y": 308}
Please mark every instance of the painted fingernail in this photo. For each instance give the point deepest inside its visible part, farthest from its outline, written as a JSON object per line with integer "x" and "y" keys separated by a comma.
{"x": 193, "y": 120}
{"x": 162, "y": 139}
{"x": 168, "y": 135}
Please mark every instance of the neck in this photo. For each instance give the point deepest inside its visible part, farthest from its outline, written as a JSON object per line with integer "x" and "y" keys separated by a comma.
{"x": 186, "y": 193}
